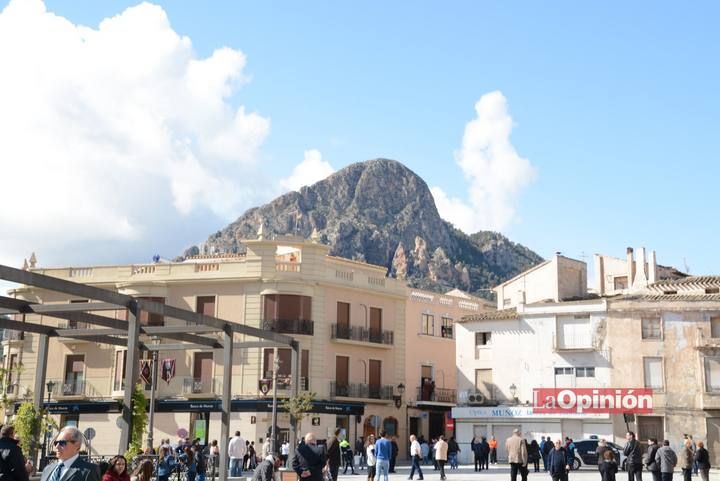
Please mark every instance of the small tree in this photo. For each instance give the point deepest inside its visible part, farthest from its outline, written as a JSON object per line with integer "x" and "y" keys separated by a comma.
{"x": 298, "y": 407}
{"x": 139, "y": 422}
{"x": 28, "y": 427}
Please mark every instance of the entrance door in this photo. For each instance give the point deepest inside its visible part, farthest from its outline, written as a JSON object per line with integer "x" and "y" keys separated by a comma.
{"x": 415, "y": 427}
{"x": 501, "y": 433}
{"x": 649, "y": 427}
{"x": 437, "y": 424}
{"x": 342, "y": 376}
{"x": 713, "y": 440}
{"x": 480, "y": 431}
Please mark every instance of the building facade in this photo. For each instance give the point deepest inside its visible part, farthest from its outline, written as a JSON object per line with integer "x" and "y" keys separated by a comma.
{"x": 347, "y": 316}
{"x": 430, "y": 370}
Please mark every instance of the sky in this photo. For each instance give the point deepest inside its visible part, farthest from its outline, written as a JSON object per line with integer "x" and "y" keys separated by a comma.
{"x": 129, "y": 130}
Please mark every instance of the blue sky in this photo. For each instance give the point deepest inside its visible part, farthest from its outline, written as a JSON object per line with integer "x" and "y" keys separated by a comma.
{"x": 614, "y": 105}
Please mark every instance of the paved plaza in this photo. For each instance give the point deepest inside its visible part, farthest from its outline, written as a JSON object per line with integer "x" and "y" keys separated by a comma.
{"x": 502, "y": 473}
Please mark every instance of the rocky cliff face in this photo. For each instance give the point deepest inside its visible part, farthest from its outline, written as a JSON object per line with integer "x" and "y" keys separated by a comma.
{"x": 381, "y": 212}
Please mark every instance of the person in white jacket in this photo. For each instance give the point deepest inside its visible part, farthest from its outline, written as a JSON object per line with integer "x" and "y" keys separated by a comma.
{"x": 236, "y": 452}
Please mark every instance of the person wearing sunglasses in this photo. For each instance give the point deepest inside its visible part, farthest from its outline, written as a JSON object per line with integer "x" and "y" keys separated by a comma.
{"x": 70, "y": 467}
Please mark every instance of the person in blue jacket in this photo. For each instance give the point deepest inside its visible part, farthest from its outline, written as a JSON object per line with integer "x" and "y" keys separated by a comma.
{"x": 558, "y": 462}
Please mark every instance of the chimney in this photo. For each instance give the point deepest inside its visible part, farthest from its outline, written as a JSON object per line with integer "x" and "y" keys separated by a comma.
{"x": 652, "y": 268}
{"x": 641, "y": 280}
{"x": 600, "y": 274}
{"x": 630, "y": 267}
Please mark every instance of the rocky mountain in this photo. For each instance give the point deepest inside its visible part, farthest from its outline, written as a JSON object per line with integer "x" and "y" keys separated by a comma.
{"x": 381, "y": 212}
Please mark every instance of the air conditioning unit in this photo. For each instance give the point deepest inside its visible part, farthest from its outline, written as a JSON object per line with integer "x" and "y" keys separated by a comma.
{"x": 476, "y": 399}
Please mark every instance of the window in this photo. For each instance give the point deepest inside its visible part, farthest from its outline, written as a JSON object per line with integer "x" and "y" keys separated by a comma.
{"x": 564, "y": 371}
{"x": 715, "y": 326}
{"x": 427, "y": 325}
{"x": 484, "y": 382}
{"x": 72, "y": 323}
{"x": 148, "y": 319}
{"x": 574, "y": 332}
{"x": 74, "y": 375}
{"x": 712, "y": 374}
{"x": 287, "y": 307}
{"x": 651, "y": 328}
{"x": 284, "y": 368}
{"x": 653, "y": 372}
{"x": 620, "y": 283}
{"x": 446, "y": 330}
{"x": 69, "y": 420}
{"x": 506, "y": 302}
{"x": 483, "y": 338}
{"x": 11, "y": 373}
{"x": 119, "y": 379}
{"x": 712, "y": 290}
{"x": 205, "y": 305}
{"x": 585, "y": 372}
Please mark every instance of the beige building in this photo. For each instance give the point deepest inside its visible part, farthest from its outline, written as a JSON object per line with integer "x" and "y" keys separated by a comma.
{"x": 430, "y": 370}
{"x": 347, "y": 316}
{"x": 667, "y": 338}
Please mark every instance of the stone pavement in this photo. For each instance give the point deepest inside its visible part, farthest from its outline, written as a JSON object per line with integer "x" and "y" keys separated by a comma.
{"x": 502, "y": 473}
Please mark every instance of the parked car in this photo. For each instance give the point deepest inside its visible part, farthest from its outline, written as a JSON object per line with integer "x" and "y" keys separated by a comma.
{"x": 586, "y": 453}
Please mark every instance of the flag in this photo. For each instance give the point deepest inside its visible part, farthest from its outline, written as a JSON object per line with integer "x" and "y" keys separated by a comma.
{"x": 168, "y": 370}
{"x": 145, "y": 371}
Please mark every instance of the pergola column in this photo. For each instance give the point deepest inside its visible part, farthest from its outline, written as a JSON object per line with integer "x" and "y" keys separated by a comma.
{"x": 41, "y": 372}
{"x": 131, "y": 375}
{"x": 226, "y": 403}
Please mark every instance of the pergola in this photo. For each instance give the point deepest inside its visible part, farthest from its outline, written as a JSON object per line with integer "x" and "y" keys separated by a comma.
{"x": 128, "y": 333}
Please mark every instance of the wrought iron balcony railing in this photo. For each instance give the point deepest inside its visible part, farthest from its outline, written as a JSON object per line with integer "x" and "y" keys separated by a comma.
{"x": 289, "y": 326}
{"x": 366, "y": 391}
{"x": 362, "y": 334}
{"x": 437, "y": 394}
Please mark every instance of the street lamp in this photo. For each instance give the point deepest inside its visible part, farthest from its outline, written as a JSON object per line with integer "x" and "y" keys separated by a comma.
{"x": 398, "y": 399}
{"x": 513, "y": 391}
{"x": 48, "y": 434}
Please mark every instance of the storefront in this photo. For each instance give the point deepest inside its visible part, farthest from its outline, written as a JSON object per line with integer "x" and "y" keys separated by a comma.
{"x": 500, "y": 421}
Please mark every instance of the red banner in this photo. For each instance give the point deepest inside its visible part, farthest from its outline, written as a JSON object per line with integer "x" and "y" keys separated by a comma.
{"x": 579, "y": 401}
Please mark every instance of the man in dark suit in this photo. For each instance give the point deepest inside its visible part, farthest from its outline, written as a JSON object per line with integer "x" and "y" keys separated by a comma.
{"x": 69, "y": 466}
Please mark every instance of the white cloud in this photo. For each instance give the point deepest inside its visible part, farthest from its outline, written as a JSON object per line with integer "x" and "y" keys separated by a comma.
{"x": 312, "y": 169}
{"x": 495, "y": 171}
{"x": 109, "y": 131}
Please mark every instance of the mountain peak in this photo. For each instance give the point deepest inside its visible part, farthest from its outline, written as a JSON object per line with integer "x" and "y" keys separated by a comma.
{"x": 365, "y": 212}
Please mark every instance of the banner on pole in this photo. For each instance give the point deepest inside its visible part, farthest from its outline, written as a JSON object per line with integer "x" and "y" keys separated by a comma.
{"x": 145, "y": 371}
{"x": 168, "y": 370}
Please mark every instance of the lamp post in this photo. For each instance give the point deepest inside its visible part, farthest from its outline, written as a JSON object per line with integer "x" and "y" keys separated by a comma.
{"x": 50, "y": 386}
{"x": 153, "y": 385}
{"x": 398, "y": 399}
{"x": 273, "y": 434}
{"x": 513, "y": 392}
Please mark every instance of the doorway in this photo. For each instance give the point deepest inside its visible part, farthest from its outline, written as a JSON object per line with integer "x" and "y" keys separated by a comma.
{"x": 437, "y": 424}
{"x": 502, "y": 432}
{"x": 713, "y": 440}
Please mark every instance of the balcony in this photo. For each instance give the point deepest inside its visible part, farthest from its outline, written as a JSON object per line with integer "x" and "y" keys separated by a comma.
{"x": 193, "y": 387}
{"x": 365, "y": 391}
{"x": 437, "y": 395}
{"x": 9, "y": 336}
{"x": 362, "y": 334}
{"x": 62, "y": 389}
{"x": 284, "y": 381}
{"x": 289, "y": 326}
{"x": 72, "y": 325}
{"x": 578, "y": 343}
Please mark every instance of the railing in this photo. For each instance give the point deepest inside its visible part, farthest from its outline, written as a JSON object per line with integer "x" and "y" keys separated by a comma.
{"x": 203, "y": 267}
{"x": 198, "y": 386}
{"x": 576, "y": 343}
{"x": 143, "y": 269}
{"x": 362, "y": 334}
{"x": 284, "y": 381}
{"x": 289, "y": 326}
{"x": 287, "y": 266}
{"x": 8, "y": 335}
{"x": 436, "y": 394}
{"x": 81, "y": 272}
{"x": 67, "y": 388}
{"x": 73, "y": 325}
{"x": 361, "y": 391}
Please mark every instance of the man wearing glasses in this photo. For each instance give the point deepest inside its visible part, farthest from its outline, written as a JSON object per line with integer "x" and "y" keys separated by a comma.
{"x": 69, "y": 466}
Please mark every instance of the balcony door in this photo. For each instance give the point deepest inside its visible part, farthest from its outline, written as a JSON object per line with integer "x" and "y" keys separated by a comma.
{"x": 374, "y": 378}
{"x": 343, "y": 320}
{"x": 342, "y": 375}
{"x": 426, "y": 383}
{"x": 202, "y": 372}
{"x": 375, "y": 324}
{"x": 74, "y": 375}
